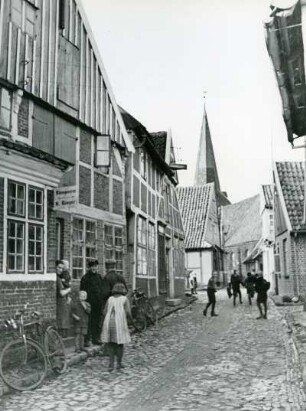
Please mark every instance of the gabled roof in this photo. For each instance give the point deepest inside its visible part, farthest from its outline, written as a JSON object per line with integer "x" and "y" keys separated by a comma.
{"x": 159, "y": 140}
{"x": 194, "y": 205}
{"x": 268, "y": 195}
{"x": 145, "y": 139}
{"x": 291, "y": 179}
{"x": 242, "y": 221}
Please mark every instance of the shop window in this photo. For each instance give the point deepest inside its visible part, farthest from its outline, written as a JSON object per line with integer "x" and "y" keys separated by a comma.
{"x": 25, "y": 228}
{"x": 5, "y": 108}
{"x": 114, "y": 245}
{"x": 84, "y": 248}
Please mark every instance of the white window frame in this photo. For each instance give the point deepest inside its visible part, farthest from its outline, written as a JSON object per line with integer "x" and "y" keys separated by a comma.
{"x": 82, "y": 244}
{"x": 102, "y": 150}
{"x": 27, "y": 222}
{"x": 113, "y": 249}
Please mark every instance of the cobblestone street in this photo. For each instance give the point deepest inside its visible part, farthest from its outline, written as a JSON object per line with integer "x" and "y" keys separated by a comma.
{"x": 188, "y": 362}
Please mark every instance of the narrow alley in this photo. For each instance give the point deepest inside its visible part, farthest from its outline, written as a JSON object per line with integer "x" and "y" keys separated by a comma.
{"x": 188, "y": 362}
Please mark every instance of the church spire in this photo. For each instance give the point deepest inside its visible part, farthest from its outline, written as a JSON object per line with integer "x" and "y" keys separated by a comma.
{"x": 206, "y": 169}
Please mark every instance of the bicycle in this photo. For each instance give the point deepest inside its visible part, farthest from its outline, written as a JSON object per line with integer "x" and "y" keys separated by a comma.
{"x": 24, "y": 362}
{"x": 143, "y": 310}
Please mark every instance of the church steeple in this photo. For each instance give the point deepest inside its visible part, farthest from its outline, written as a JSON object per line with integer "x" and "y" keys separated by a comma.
{"x": 206, "y": 169}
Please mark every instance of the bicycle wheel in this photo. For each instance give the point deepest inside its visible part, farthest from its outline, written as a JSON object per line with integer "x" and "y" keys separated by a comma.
{"x": 23, "y": 366}
{"x": 139, "y": 319}
{"x": 55, "y": 350}
{"x": 150, "y": 313}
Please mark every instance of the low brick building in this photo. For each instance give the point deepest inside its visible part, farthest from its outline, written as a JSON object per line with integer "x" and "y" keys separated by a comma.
{"x": 290, "y": 228}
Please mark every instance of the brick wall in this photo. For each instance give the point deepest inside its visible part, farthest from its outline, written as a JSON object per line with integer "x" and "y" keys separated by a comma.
{"x": 115, "y": 167}
{"x": 1, "y": 221}
{"x": 287, "y": 277}
{"x": 23, "y": 118}
{"x": 101, "y": 192}
{"x": 298, "y": 263}
{"x": 85, "y": 186}
{"x": 117, "y": 197}
{"x": 39, "y": 294}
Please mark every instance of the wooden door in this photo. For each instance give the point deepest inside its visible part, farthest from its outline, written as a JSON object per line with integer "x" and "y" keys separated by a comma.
{"x": 162, "y": 265}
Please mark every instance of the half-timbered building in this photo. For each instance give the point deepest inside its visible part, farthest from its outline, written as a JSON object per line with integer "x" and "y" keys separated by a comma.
{"x": 155, "y": 230}
{"x": 63, "y": 147}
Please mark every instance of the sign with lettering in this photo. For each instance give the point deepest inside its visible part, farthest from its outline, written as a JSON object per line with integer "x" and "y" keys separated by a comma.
{"x": 65, "y": 197}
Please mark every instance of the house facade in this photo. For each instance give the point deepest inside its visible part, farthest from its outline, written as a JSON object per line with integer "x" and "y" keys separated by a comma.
{"x": 63, "y": 148}
{"x": 155, "y": 231}
{"x": 241, "y": 236}
{"x": 290, "y": 228}
{"x": 199, "y": 209}
{"x": 267, "y": 216}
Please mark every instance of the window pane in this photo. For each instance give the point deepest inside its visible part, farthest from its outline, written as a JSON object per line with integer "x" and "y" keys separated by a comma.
{"x": 38, "y": 264}
{"x": 31, "y": 195}
{"x": 39, "y": 213}
{"x": 31, "y": 248}
{"x": 31, "y": 232}
{"x": 19, "y": 263}
{"x": 20, "y": 192}
{"x": 11, "y": 246}
{"x": 31, "y": 210}
{"x": 38, "y": 248}
{"x": 11, "y": 262}
{"x": 31, "y": 264}
{"x": 20, "y": 230}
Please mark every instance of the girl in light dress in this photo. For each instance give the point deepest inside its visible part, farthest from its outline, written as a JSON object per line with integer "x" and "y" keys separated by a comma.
{"x": 115, "y": 330}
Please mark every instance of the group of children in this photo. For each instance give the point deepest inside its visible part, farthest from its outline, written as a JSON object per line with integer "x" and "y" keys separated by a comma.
{"x": 115, "y": 331}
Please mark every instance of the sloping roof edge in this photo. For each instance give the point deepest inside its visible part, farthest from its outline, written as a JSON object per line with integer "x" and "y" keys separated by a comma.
{"x": 281, "y": 196}
{"x": 95, "y": 47}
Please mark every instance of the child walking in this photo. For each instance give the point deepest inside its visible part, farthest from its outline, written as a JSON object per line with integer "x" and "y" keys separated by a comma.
{"x": 80, "y": 311}
{"x": 115, "y": 330}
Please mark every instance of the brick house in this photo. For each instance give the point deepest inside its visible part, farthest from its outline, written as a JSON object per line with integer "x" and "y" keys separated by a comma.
{"x": 63, "y": 147}
{"x": 242, "y": 234}
{"x": 155, "y": 231}
{"x": 290, "y": 228}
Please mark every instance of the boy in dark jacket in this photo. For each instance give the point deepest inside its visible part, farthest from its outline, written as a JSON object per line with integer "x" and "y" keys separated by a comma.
{"x": 261, "y": 287}
{"x": 80, "y": 311}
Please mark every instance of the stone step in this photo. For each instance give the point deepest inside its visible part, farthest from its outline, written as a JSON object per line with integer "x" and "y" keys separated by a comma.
{"x": 173, "y": 301}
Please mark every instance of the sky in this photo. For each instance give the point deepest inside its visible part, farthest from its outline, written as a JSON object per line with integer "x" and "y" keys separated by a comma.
{"x": 163, "y": 56}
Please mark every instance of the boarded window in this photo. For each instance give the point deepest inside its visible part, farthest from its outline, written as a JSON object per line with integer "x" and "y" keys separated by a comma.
{"x": 69, "y": 67}
{"x": 65, "y": 140}
{"x": 43, "y": 130}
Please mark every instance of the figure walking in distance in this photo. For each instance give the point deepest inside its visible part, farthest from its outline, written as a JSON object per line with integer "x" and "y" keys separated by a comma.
{"x": 261, "y": 287}
{"x": 235, "y": 283}
{"x": 211, "y": 294}
{"x": 250, "y": 287}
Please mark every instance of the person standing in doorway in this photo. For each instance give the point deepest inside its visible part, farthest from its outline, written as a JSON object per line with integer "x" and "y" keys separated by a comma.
{"x": 62, "y": 301}
{"x": 211, "y": 294}
{"x": 98, "y": 290}
{"x": 235, "y": 284}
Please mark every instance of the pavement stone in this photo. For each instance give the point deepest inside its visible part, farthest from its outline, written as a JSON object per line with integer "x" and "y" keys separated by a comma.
{"x": 189, "y": 362}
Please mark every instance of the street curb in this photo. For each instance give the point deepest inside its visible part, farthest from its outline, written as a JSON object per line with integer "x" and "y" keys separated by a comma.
{"x": 293, "y": 343}
{"x": 76, "y": 358}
